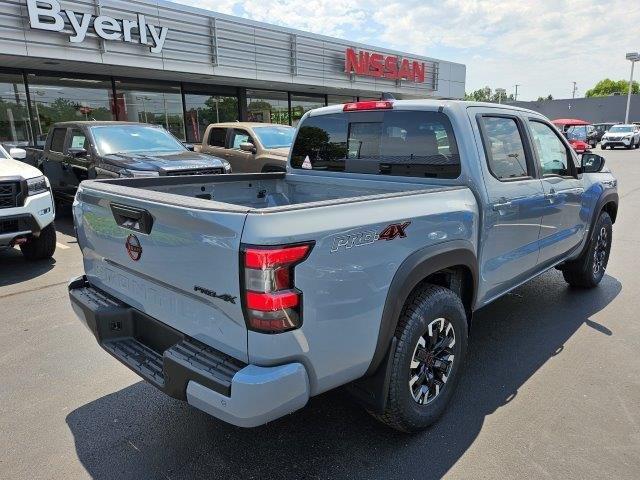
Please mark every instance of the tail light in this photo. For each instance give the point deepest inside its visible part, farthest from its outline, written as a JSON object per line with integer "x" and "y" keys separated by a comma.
{"x": 368, "y": 105}
{"x": 271, "y": 302}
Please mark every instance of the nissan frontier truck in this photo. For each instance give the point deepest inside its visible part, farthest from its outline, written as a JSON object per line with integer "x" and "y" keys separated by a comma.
{"x": 361, "y": 265}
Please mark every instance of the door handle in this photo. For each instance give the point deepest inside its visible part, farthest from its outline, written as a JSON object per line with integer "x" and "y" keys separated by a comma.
{"x": 501, "y": 206}
{"x": 132, "y": 218}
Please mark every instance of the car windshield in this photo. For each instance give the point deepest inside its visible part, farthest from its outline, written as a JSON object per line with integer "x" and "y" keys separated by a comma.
{"x": 577, "y": 132}
{"x": 275, "y": 136}
{"x": 621, "y": 129}
{"x": 112, "y": 139}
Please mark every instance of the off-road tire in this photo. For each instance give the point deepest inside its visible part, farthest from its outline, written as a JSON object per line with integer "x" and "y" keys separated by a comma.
{"x": 432, "y": 302}
{"x": 42, "y": 247}
{"x": 582, "y": 273}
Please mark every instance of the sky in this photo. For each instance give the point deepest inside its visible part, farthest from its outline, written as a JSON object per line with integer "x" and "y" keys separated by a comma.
{"x": 543, "y": 45}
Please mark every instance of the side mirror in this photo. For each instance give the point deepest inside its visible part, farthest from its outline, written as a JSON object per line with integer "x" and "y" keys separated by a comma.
{"x": 190, "y": 147}
{"x": 77, "y": 152}
{"x": 18, "y": 153}
{"x": 591, "y": 163}
{"x": 248, "y": 147}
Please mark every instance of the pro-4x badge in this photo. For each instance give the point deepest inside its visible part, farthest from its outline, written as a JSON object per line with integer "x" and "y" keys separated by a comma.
{"x": 359, "y": 239}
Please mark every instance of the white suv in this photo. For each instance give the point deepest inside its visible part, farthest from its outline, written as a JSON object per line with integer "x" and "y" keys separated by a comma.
{"x": 26, "y": 207}
{"x": 627, "y": 136}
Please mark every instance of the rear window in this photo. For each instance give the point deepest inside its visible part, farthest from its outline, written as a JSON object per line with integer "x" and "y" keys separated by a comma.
{"x": 405, "y": 143}
{"x": 218, "y": 137}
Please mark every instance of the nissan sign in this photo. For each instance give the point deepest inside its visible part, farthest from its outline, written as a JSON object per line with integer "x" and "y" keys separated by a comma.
{"x": 47, "y": 15}
{"x": 371, "y": 64}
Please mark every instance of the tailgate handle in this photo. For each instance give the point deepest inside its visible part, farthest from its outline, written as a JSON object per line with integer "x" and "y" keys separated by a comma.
{"x": 132, "y": 218}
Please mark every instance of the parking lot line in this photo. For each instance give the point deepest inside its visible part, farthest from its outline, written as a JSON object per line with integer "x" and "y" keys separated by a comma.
{"x": 60, "y": 245}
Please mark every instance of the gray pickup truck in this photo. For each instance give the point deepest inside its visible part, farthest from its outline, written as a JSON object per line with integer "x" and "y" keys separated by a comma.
{"x": 362, "y": 265}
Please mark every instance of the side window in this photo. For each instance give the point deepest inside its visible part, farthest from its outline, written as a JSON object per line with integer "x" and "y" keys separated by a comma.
{"x": 78, "y": 139}
{"x": 237, "y": 137}
{"x": 57, "y": 140}
{"x": 217, "y": 137}
{"x": 552, "y": 153}
{"x": 504, "y": 148}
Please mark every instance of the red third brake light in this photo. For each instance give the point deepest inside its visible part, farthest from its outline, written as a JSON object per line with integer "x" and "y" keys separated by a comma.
{"x": 368, "y": 105}
{"x": 272, "y": 304}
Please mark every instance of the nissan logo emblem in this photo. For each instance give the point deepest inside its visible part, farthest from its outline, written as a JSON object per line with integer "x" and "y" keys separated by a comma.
{"x": 134, "y": 249}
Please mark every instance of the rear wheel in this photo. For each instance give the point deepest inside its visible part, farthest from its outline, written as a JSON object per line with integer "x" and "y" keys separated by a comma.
{"x": 428, "y": 359}
{"x": 603, "y": 147}
{"x": 588, "y": 270}
{"x": 41, "y": 247}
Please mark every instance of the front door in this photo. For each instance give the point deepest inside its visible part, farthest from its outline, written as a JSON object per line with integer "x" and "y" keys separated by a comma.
{"x": 563, "y": 222}
{"x": 509, "y": 243}
{"x": 240, "y": 160}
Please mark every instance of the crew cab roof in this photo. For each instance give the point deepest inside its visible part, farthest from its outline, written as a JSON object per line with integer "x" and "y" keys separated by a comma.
{"x": 98, "y": 123}
{"x": 431, "y": 104}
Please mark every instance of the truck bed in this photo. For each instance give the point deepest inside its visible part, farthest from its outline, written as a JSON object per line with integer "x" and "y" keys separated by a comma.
{"x": 250, "y": 192}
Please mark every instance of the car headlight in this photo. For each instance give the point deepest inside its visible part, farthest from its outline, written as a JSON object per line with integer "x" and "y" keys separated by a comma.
{"x": 37, "y": 185}
{"x": 139, "y": 173}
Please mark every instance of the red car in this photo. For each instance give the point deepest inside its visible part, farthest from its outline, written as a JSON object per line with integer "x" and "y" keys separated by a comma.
{"x": 577, "y": 132}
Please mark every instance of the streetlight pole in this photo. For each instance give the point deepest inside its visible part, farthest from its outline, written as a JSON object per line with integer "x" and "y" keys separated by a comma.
{"x": 575, "y": 87}
{"x": 516, "y": 95}
{"x": 633, "y": 57}
{"x": 500, "y": 92}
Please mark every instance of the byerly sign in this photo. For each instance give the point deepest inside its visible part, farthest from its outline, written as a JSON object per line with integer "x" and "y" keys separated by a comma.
{"x": 47, "y": 15}
{"x": 383, "y": 66}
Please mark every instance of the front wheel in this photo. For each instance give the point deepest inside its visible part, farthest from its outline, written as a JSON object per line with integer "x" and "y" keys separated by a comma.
{"x": 588, "y": 270}
{"x": 603, "y": 147}
{"x": 42, "y": 247}
{"x": 428, "y": 359}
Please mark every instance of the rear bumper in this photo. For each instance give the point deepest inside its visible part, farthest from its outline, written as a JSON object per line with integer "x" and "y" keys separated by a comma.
{"x": 240, "y": 394}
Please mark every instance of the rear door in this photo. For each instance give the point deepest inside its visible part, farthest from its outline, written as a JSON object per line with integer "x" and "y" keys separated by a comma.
{"x": 562, "y": 227}
{"x": 179, "y": 264}
{"x": 509, "y": 247}
{"x": 216, "y": 142}
{"x": 55, "y": 165}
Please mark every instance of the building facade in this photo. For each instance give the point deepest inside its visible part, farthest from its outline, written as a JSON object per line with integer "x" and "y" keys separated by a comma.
{"x": 165, "y": 63}
{"x": 592, "y": 109}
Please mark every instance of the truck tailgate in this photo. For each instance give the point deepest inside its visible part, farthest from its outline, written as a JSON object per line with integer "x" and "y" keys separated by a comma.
{"x": 176, "y": 264}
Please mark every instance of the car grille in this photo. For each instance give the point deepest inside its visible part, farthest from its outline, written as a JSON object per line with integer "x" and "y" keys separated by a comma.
{"x": 9, "y": 226}
{"x": 194, "y": 171}
{"x": 613, "y": 139}
{"x": 9, "y": 194}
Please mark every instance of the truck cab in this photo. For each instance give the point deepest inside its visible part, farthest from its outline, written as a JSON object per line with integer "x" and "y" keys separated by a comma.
{"x": 78, "y": 151}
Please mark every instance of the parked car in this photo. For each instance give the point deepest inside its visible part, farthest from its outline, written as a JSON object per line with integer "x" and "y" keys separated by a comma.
{"x": 77, "y": 151}
{"x": 627, "y": 136}
{"x": 26, "y": 207}
{"x": 361, "y": 265}
{"x": 248, "y": 146}
{"x": 581, "y": 137}
{"x": 600, "y": 129}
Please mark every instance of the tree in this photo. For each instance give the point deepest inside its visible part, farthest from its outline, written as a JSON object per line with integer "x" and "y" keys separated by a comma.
{"x": 544, "y": 99}
{"x": 610, "y": 87}
{"x": 487, "y": 95}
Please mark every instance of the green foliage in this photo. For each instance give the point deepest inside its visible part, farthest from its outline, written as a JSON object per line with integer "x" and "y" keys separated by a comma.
{"x": 487, "y": 95}
{"x": 610, "y": 87}
{"x": 544, "y": 99}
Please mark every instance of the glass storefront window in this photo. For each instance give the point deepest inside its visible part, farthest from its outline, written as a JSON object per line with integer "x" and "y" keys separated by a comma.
{"x": 267, "y": 107}
{"x": 14, "y": 114}
{"x": 60, "y": 99}
{"x": 148, "y": 103}
{"x": 205, "y": 109}
{"x": 301, "y": 104}
{"x": 339, "y": 99}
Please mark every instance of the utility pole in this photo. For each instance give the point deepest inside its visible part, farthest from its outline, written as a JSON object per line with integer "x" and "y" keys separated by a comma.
{"x": 516, "y": 95}
{"x": 633, "y": 57}
{"x": 575, "y": 89}
{"x": 501, "y": 92}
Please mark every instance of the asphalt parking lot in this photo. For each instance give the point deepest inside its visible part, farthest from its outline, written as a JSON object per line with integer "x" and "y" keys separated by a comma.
{"x": 552, "y": 390}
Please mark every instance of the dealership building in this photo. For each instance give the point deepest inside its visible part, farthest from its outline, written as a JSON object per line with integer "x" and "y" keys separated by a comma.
{"x": 165, "y": 63}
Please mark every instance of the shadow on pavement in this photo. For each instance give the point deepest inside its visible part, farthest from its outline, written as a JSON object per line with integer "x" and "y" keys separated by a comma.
{"x": 138, "y": 432}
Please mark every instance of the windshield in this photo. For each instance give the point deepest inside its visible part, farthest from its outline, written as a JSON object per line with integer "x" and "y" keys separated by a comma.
{"x": 112, "y": 139}
{"x": 577, "y": 132}
{"x": 275, "y": 136}
{"x": 4, "y": 154}
{"x": 621, "y": 129}
{"x": 406, "y": 143}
